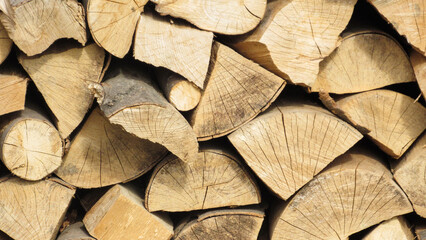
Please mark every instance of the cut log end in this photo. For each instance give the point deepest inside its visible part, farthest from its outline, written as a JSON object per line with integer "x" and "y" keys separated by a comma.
{"x": 13, "y": 88}
{"x": 5, "y": 44}
{"x": 419, "y": 64}
{"x": 393, "y": 229}
{"x": 75, "y": 231}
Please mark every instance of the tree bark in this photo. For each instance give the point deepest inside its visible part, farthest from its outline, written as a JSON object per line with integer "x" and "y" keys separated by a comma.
{"x": 393, "y": 229}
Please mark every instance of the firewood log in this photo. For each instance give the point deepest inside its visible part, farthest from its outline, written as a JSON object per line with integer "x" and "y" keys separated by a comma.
{"x": 408, "y": 172}
{"x": 175, "y": 45}
{"x": 354, "y": 192}
{"x": 364, "y": 61}
{"x": 75, "y": 231}
{"x": 236, "y": 91}
{"x": 13, "y": 87}
{"x": 5, "y": 44}
{"x": 393, "y": 229}
{"x": 391, "y": 119}
{"x": 216, "y": 178}
{"x": 33, "y": 210}
{"x": 113, "y": 23}
{"x": 62, "y": 74}
{"x": 292, "y": 142}
{"x": 34, "y": 25}
{"x": 30, "y": 146}
{"x": 226, "y": 17}
{"x": 419, "y": 64}
{"x": 181, "y": 93}
{"x": 222, "y": 224}
{"x": 120, "y": 215}
{"x": 407, "y": 17}
{"x": 420, "y": 232}
{"x": 103, "y": 154}
{"x": 295, "y": 36}
{"x": 131, "y": 99}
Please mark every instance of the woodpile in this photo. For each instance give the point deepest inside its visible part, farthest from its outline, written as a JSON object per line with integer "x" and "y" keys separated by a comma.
{"x": 212, "y": 119}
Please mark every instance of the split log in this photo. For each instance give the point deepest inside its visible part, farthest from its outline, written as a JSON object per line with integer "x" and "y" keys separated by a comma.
{"x": 120, "y": 214}
{"x": 30, "y": 146}
{"x": 33, "y": 210}
{"x": 103, "y": 154}
{"x": 62, "y": 74}
{"x": 222, "y": 224}
{"x": 408, "y": 174}
{"x": 364, "y": 61}
{"x": 236, "y": 91}
{"x": 13, "y": 87}
{"x": 407, "y": 17}
{"x": 76, "y": 231}
{"x": 113, "y": 23}
{"x": 295, "y": 36}
{"x": 353, "y": 193}
{"x": 5, "y": 44}
{"x": 216, "y": 178}
{"x": 230, "y": 17}
{"x": 419, "y": 64}
{"x": 392, "y": 120}
{"x": 131, "y": 99}
{"x": 34, "y": 25}
{"x": 420, "y": 232}
{"x": 393, "y": 229}
{"x": 181, "y": 93}
{"x": 292, "y": 142}
{"x": 175, "y": 45}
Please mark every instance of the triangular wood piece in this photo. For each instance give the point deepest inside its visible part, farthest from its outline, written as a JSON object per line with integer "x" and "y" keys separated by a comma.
{"x": 5, "y": 44}
{"x": 419, "y": 64}
{"x": 13, "y": 87}
{"x": 393, "y": 229}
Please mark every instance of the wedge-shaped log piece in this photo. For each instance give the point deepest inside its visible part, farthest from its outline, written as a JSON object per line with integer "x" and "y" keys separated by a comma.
{"x": 62, "y": 74}
{"x": 215, "y": 179}
{"x": 30, "y": 146}
{"x": 75, "y": 231}
{"x": 33, "y": 210}
{"x": 408, "y": 174}
{"x": 175, "y": 45}
{"x": 34, "y": 25}
{"x": 355, "y": 192}
{"x": 393, "y": 229}
{"x": 364, "y": 61}
{"x": 391, "y": 119}
{"x": 237, "y": 90}
{"x": 232, "y": 224}
{"x": 419, "y": 64}
{"x": 226, "y": 17}
{"x": 290, "y": 143}
{"x": 13, "y": 87}
{"x": 120, "y": 215}
{"x": 407, "y": 17}
{"x": 102, "y": 154}
{"x": 295, "y": 36}
{"x": 132, "y": 100}
{"x": 5, "y": 44}
{"x": 113, "y": 23}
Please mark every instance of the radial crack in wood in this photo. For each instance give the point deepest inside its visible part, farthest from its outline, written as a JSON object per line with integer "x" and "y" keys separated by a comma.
{"x": 13, "y": 87}
{"x": 75, "y": 231}
{"x": 5, "y": 44}
{"x": 393, "y": 229}
{"x": 419, "y": 64}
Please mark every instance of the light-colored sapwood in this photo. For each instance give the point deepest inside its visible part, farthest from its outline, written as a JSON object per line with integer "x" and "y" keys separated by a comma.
{"x": 113, "y": 23}
{"x": 391, "y": 119}
{"x": 236, "y": 91}
{"x": 408, "y": 17}
{"x": 292, "y": 142}
{"x": 75, "y": 231}
{"x": 130, "y": 98}
{"x": 5, "y": 44}
{"x": 221, "y": 16}
{"x": 175, "y": 45}
{"x": 103, "y": 154}
{"x": 13, "y": 87}
{"x": 419, "y": 64}
{"x": 216, "y": 178}
{"x": 230, "y": 224}
{"x": 393, "y": 229}
{"x": 181, "y": 93}
{"x": 364, "y": 61}
{"x": 62, "y": 74}
{"x": 34, "y": 25}
{"x": 295, "y": 36}
{"x": 33, "y": 210}
{"x": 30, "y": 146}
{"x": 120, "y": 215}
{"x": 353, "y": 193}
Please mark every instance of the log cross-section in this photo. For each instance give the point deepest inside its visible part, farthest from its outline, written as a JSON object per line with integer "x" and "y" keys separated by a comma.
{"x": 5, "y": 44}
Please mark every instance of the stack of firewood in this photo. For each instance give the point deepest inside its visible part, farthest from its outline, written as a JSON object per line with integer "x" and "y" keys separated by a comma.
{"x": 229, "y": 119}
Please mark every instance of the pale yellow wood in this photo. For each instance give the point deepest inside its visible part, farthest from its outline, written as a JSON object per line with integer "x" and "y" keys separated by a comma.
{"x": 103, "y": 154}
{"x": 393, "y": 229}
{"x": 113, "y": 23}
{"x": 13, "y": 87}
{"x": 419, "y": 64}
{"x": 34, "y": 25}
{"x": 408, "y": 17}
{"x": 355, "y": 192}
{"x": 120, "y": 215}
{"x": 5, "y": 44}
{"x": 222, "y": 16}
{"x": 364, "y": 61}
{"x": 295, "y": 36}
{"x": 62, "y": 74}
{"x": 216, "y": 178}
{"x": 75, "y": 231}
{"x": 292, "y": 142}
{"x": 33, "y": 210}
{"x": 175, "y": 45}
